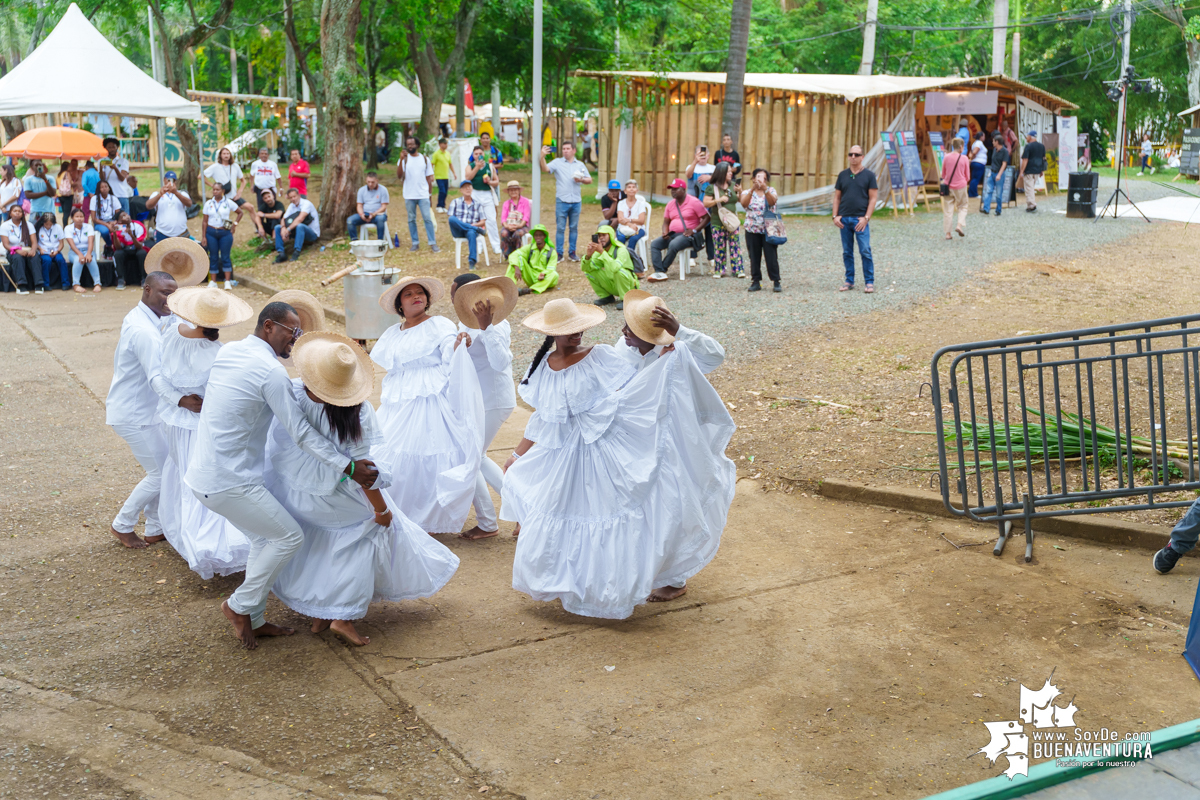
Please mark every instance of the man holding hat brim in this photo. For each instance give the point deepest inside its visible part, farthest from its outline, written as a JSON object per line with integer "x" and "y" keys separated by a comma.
{"x": 1033, "y": 164}
{"x": 650, "y": 329}
{"x": 170, "y": 205}
{"x": 209, "y": 543}
{"x": 608, "y": 203}
{"x": 516, "y": 215}
{"x": 247, "y": 388}
{"x": 131, "y": 407}
{"x": 482, "y": 306}
{"x": 608, "y": 268}
{"x": 466, "y": 220}
{"x": 534, "y": 264}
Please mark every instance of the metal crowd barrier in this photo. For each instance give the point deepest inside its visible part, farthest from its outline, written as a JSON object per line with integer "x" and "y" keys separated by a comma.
{"x": 1075, "y": 422}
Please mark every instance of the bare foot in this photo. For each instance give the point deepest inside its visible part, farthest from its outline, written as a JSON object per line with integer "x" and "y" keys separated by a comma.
{"x": 516, "y": 530}
{"x": 477, "y": 533}
{"x": 241, "y": 626}
{"x": 96, "y": 288}
{"x": 155, "y": 539}
{"x": 271, "y": 629}
{"x": 79, "y": 288}
{"x": 665, "y": 593}
{"x": 319, "y": 625}
{"x": 344, "y": 630}
{"x": 130, "y": 540}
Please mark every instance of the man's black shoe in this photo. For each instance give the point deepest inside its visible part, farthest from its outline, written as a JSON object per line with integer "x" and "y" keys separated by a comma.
{"x": 1165, "y": 560}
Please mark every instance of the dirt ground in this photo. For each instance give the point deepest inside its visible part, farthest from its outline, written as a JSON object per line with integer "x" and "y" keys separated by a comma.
{"x": 819, "y": 627}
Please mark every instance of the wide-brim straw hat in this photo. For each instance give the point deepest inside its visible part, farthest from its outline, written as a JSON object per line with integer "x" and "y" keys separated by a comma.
{"x": 513, "y": 185}
{"x": 181, "y": 258}
{"x": 308, "y": 309}
{"x": 639, "y": 307}
{"x": 436, "y": 289}
{"x": 334, "y": 368}
{"x": 563, "y": 317}
{"x": 209, "y": 308}
{"x": 500, "y": 290}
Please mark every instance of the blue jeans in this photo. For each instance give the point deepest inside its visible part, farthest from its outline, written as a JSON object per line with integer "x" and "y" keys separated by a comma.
{"x": 61, "y": 262}
{"x": 124, "y": 201}
{"x": 631, "y": 241}
{"x": 469, "y": 232}
{"x": 354, "y": 220}
{"x": 411, "y": 207}
{"x": 443, "y": 188}
{"x": 977, "y": 171}
{"x": 300, "y": 235}
{"x": 77, "y": 267}
{"x": 566, "y": 214}
{"x": 159, "y": 236}
{"x": 992, "y": 184}
{"x": 849, "y": 237}
{"x": 104, "y": 234}
{"x": 220, "y": 242}
{"x": 1187, "y": 530}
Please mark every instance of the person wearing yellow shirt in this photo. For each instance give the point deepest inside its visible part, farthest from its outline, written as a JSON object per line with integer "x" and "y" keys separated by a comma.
{"x": 442, "y": 170}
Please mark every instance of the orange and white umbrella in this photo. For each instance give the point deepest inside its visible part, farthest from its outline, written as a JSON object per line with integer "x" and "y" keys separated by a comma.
{"x": 55, "y": 143}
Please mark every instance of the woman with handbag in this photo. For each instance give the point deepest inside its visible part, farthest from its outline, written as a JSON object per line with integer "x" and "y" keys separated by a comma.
{"x": 516, "y": 216}
{"x": 955, "y": 177}
{"x": 68, "y": 189}
{"x": 757, "y": 200}
{"x": 632, "y": 215}
{"x": 728, "y": 250}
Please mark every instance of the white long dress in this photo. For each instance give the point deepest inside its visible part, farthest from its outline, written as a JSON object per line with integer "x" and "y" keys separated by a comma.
{"x": 206, "y": 540}
{"x": 614, "y": 505}
{"x": 431, "y": 412}
{"x": 348, "y": 560}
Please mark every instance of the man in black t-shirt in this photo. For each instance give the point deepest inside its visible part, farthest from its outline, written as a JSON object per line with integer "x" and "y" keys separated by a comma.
{"x": 1033, "y": 164}
{"x": 993, "y": 179}
{"x": 270, "y": 211}
{"x": 608, "y": 203}
{"x": 729, "y": 156}
{"x": 854, "y": 197}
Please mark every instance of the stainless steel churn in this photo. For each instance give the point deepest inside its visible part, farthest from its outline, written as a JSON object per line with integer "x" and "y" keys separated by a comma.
{"x": 361, "y": 290}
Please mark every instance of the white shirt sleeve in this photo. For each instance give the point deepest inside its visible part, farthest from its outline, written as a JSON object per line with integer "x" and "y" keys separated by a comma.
{"x": 278, "y": 393}
{"x": 708, "y": 351}
{"x": 147, "y": 347}
{"x": 497, "y": 346}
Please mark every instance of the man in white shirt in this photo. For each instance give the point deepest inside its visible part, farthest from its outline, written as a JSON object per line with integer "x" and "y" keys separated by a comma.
{"x": 569, "y": 175}
{"x": 115, "y": 169}
{"x": 247, "y": 388}
{"x": 170, "y": 205}
{"x": 371, "y": 208}
{"x": 265, "y": 173}
{"x": 300, "y": 223}
{"x": 415, "y": 172}
{"x": 131, "y": 407}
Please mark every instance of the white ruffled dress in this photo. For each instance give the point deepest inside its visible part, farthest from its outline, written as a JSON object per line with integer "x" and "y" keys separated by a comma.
{"x": 431, "y": 412}
{"x": 625, "y": 490}
{"x": 348, "y": 560}
{"x": 206, "y": 540}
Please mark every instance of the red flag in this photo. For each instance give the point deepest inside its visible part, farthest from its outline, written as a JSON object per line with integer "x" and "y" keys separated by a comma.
{"x": 469, "y": 99}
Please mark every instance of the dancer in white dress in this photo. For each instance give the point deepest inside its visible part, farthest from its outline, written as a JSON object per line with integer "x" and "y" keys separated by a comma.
{"x": 482, "y": 306}
{"x": 431, "y": 409}
{"x": 656, "y": 321}
{"x": 613, "y": 506}
{"x": 356, "y": 549}
{"x": 206, "y": 540}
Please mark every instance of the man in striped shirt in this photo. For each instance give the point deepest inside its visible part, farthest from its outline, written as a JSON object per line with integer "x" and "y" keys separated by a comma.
{"x": 466, "y": 219}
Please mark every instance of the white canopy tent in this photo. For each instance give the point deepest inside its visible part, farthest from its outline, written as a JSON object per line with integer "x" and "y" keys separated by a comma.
{"x": 394, "y": 103}
{"x": 87, "y": 74}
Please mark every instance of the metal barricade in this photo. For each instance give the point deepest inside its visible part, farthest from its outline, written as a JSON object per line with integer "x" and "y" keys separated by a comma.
{"x": 1069, "y": 423}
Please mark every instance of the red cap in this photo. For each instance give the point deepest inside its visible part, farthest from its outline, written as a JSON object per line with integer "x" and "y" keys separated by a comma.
{"x": 678, "y": 183}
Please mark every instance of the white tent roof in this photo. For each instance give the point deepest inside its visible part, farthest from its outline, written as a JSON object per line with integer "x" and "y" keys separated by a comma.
{"x": 394, "y": 103}
{"x": 448, "y": 113}
{"x": 506, "y": 112}
{"x": 1185, "y": 112}
{"x": 87, "y": 74}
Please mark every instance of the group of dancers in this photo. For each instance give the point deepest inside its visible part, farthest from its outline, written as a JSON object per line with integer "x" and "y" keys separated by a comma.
{"x": 619, "y": 489}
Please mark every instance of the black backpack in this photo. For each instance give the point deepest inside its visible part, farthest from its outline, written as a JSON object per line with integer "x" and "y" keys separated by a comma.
{"x": 638, "y": 266}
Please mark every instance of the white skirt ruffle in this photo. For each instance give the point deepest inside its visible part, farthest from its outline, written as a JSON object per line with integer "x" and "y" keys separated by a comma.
{"x": 205, "y": 539}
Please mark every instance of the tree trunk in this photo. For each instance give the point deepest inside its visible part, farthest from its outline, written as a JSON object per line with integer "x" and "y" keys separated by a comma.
{"x": 433, "y": 73}
{"x": 1174, "y": 14}
{"x": 735, "y": 70}
{"x": 343, "y": 114}
{"x": 301, "y": 54}
{"x": 372, "y": 85}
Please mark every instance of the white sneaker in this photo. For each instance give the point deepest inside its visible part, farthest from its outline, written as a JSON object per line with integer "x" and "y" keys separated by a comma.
{"x": 228, "y": 285}
{"x": 22, "y": 291}
{"x": 39, "y": 290}
{"x": 1141, "y": 173}
{"x": 1153, "y": 170}
{"x": 212, "y": 284}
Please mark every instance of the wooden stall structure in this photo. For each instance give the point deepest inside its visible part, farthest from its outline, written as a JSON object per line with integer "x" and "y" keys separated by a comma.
{"x": 798, "y": 126}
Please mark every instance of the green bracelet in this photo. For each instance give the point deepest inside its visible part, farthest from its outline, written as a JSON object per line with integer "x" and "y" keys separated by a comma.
{"x": 351, "y": 475}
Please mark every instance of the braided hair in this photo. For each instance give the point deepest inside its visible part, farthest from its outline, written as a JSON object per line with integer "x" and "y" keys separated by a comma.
{"x": 537, "y": 358}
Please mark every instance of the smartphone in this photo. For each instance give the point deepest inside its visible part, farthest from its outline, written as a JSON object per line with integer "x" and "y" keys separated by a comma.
{"x": 703, "y": 148}
{"x": 596, "y": 238}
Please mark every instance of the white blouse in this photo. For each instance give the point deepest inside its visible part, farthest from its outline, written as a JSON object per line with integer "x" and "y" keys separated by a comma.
{"x": 417, "y": 360}
{"x": 184, "y": 364}
{"x": 491, "y": 353}
{"x": 579, "y": 399}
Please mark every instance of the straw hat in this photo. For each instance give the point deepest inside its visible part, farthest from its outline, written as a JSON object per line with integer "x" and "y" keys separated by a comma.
{"x": 310, "y": 312}
{"x": 334, "y": 368}
{"x": 513, "y": 185}
{"x": 501, "y": 291}
{"x": 181, "y": 258}
{"x": 209, "y": 308}
{"x": 563, "y": 317}
{"x": 436, "y": 289}
{"x": 639, "y": 306}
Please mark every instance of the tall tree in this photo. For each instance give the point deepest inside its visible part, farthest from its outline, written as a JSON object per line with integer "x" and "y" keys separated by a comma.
{"x": 343, "y": 94}
{"x": 426, "y": 34}
{"x": 173, "y": 49}
{"x": 735, "y": 69}
{"x": 1189, "y": 29}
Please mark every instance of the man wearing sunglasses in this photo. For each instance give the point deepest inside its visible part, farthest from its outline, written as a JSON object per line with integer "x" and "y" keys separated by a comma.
{"x": 854, "y": 197}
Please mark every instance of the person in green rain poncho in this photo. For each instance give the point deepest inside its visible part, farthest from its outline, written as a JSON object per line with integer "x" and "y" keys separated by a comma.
{"x": 534, "y": 264}
{"x": 608, "y": 268}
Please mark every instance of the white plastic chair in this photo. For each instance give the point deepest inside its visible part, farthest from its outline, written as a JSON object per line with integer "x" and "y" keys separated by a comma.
{"x": 367, "y": 231}
{"x": 459, "y": 244}
{"x": 643, "y": 251}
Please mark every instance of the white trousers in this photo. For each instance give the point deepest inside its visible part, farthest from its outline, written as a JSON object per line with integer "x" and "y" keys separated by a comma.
{"x": 487, "y": 202}
{"x": 274, "y": 535}
{"x": 489, "y": 473}
{"x": 149, "y": 447}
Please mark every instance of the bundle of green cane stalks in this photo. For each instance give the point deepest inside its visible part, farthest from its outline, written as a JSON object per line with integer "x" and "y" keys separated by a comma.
{"x": 1066, "y": 438}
